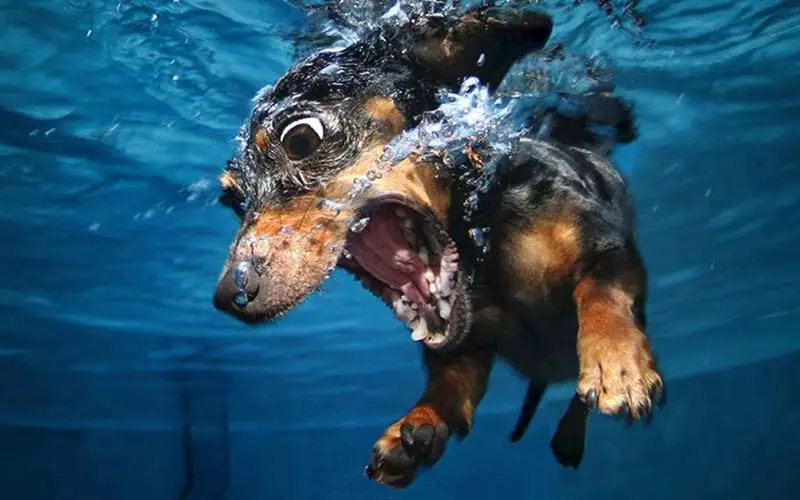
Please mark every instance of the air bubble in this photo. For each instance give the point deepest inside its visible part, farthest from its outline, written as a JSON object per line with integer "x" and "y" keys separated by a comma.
{"x": 359, "y": 225}
{"x": 241, "y": 299}
{"x": 326, "y": 204}
{"x": 478, "y": 236}
{"x": 360, "y": 185}
{"x": 241, "y": 273}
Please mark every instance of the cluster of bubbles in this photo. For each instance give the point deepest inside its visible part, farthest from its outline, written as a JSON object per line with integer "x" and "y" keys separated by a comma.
{"x": 489, "y": 123}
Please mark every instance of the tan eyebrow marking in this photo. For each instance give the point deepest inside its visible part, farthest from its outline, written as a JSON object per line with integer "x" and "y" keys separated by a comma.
{"x": 228, "y": 181}
{"x": 261, "y": 140}
{"x": 383, "y": 109}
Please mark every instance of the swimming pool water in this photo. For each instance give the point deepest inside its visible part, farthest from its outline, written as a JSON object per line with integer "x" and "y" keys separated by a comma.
{"x": 120, "y": 380}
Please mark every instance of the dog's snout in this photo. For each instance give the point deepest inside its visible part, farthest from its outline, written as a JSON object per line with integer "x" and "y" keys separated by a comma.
{"x": 237, "y": 288}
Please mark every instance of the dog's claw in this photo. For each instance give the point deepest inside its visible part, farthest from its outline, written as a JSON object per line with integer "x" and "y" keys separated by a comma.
{"x": 659, "y": 395}
{"x": 590, "y": 399}
{"x": 618, "y": 375}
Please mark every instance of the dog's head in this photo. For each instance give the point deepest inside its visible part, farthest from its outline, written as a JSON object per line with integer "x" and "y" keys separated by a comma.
{"x": 313, "y": 191}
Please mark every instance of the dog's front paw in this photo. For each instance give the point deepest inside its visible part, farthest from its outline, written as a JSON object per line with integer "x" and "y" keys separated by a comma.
{"x": 418, "y": 439}
{"x": 618, "y": 375}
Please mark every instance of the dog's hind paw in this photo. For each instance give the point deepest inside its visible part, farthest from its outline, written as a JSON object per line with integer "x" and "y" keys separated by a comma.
{"x": 568, "y": 452}
{"x": 417, "y": 440}
{"x": 569, "y": 440}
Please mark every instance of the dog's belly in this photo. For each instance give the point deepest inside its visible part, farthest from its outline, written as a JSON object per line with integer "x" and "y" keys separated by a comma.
{"x": 544, "y": 352}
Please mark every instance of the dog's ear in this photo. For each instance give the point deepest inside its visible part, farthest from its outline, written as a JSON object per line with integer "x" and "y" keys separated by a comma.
{"x": 483, "y": 43}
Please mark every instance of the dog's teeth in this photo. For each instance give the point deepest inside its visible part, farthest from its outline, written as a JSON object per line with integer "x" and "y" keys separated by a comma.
{"x": 403, "y": 312}
{"x": 400, "y": 212}
{"x": 420, "y": 330}
{"x": 444, "y": 309}
{"x": 414, "y": 306}
{"x": 446, "y": 283}
{"x": 429, "y": 276}
{"x": 409, "y": 235}
{"x": 405, "y": 298}
{"x": 423, "y": 255}
{"x": 433, "y": 288}
{"x": 407, "y": 223}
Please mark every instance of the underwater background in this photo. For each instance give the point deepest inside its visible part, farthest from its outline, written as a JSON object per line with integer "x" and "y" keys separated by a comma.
{"x": 118, "y": 379}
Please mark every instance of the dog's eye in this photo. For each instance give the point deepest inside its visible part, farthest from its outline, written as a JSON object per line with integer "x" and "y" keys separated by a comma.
{"x": 302, "y": 137}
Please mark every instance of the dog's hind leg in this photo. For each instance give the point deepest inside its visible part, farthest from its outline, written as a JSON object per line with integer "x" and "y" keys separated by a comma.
{"x": 455, "y": 386}
{"x": 617, "y": 369}
{"x": 533, "y": 397}
{"x": 570, "y": 437}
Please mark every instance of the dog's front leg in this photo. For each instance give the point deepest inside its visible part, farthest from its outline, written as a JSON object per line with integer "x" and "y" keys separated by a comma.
{"x": 455, "y": 386}
{"x": 618, "y": 373}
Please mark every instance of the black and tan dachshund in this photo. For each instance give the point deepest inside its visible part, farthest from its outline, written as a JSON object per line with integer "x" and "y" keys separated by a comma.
{"x": 559, "y": 293}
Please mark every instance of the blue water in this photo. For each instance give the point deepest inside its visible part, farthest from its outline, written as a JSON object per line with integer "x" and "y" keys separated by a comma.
{"x": 118, "y": 380}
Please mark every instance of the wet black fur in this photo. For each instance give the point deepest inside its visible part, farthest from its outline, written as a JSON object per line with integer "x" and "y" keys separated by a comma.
{"x": 334, "y": 83}
{"x": 570, "y": 161}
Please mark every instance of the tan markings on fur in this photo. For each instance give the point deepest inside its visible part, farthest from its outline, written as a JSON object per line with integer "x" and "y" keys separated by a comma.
{"x": 615, "y": 358}
{"x": 298, "y": 244}
{"x": 302, "y": 222}
{"x": 261, "y": 140}
{"x": 411, "y": 178}
{"x": 543, "y": 256}
{"x": 227, "y": 180}
{"x": 384, "y": 111}
{"x": 455, "y": 387}
{"x": 306, "y": 239}
{"x": 418, "y": 416}
{"x": 474, "y": 157}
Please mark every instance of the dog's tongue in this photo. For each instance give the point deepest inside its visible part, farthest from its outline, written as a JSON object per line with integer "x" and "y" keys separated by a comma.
{"x": 382, "y": 250}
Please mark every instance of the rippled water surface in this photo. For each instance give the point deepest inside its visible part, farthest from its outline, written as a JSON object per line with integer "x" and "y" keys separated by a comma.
{"x": 120, "y": 381}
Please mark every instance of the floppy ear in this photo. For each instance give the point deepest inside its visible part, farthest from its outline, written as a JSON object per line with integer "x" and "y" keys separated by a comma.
{"x": 483, "y": 43}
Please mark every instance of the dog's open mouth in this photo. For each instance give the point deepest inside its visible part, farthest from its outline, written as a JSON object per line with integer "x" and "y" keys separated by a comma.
{"x": 402, "y": 255}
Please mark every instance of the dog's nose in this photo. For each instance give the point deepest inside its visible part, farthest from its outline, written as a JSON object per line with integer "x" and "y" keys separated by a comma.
{"x": 237, "y": 287}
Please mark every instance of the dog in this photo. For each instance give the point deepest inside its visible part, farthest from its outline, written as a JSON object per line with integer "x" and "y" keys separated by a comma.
{"x": 559, "y": 293}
